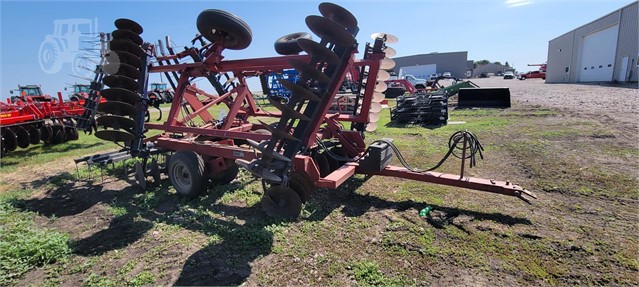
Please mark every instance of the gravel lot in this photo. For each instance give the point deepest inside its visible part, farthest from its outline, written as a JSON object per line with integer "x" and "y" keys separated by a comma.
{"x": 615, "y": 104}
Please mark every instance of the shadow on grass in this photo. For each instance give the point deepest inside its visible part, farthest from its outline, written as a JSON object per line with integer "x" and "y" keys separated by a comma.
{"x": 227, "y": 260}
{"x": 15, "y": 157}
{"x": 353, "y": 205}
{"x": 222, "y": 262}
{"x": 395, "y": 124}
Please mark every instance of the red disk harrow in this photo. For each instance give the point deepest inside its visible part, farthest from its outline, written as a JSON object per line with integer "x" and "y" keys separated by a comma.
{"x": 305, "y": 145}
{"x": 33, "y": 117}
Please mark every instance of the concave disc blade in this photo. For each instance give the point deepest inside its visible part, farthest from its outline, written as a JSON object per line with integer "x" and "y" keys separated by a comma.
{"x": 127, "y": 46}
{"x": 390, "y": 52}
{"x": 116, "y": 122}
{"x": 46, "y": 132}
{"x": 281, "y": 201}
{"x": 373, "y": 117}
{"x": 318, "y": 51}
{"x": 390, "y": 39}
{"x": 338, "y": 14}
{"x": 332, "y": 31}
{"x": 371, "y": 127}
{"x": 114, "y": 135}
{"x": 387, "y": 64}
{"x": 375, "y": 107}
{"x": 298, "y": 90}
{"x": 117, "y": 108}
{"x": 128, "y": 24}
{"x": 10, "y": 140}
{"x": 309, "y": 71}
{"x": 120, "y": 95}
{"x": 382, "y": 75}
{"x": 288, "y": 111}
{"x": 378, "y": 97}
{"x": 127, "y": 35}
{"x": 34, "y": 134}
{"x": 277, "y": 132}
{"x": 124, "y": 82}
{"x": 380, "y": 87}
{"x": 22, "y": 135}
{"x": 323, "y": 166}
{"x": 123, "y": 57}
{"x": 121, "y": 69}
{"x": 301, "y": 185}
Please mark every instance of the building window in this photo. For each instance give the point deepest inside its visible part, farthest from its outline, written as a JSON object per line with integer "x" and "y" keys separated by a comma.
{"x": 567, "y": 69}
{"x": 600, "y": 66}
{"x": 609, "y": 65}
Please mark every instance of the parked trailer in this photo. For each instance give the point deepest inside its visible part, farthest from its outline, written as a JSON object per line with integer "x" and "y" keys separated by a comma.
{"x": 305, "y": 146}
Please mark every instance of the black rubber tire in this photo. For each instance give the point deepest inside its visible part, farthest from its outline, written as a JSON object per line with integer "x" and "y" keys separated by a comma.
{"x": 229, "y": 28}
{"x": 287, "y": 44}
{"x": 187, "y": 172}
{"x": 226, "y": 176}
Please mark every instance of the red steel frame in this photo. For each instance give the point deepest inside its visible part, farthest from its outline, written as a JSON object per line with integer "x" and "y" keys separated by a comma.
{"x": 34, "y": 112}
{"x": 219, "y": 143}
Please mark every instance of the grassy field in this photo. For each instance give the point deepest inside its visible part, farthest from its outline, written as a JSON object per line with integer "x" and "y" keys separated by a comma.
{"x": 58, "y": 229}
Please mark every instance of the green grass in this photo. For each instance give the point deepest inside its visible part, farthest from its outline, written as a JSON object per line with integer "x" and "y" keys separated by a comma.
{"x": 367, "y": 273}
{"x": 368, "y": 231}
{"x": 23, "y": 246}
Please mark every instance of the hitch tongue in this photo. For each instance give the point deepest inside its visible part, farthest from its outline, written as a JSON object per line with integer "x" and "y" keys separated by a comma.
{"x": 521, "y": 193}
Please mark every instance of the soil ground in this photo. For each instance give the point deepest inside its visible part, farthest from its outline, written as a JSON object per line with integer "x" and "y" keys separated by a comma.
{"x": 574, "y": 146}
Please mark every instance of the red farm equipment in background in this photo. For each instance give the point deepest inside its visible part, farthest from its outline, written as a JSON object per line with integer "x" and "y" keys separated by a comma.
{"x": 294, "y": 150}
{"x": 32, "y": 117}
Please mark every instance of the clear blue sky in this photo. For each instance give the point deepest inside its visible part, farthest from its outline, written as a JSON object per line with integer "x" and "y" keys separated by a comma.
{"x": 513, "y": 31}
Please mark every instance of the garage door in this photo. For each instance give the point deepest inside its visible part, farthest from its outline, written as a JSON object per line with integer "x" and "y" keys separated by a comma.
{"x": 598, "y": 55}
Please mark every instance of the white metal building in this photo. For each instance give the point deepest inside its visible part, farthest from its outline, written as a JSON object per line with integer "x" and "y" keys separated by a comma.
{"x": 604, "y": 50}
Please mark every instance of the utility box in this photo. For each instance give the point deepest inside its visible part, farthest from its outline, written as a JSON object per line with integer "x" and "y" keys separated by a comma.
{"x": 377, "y": 159}
{"x": 484, "y": 98}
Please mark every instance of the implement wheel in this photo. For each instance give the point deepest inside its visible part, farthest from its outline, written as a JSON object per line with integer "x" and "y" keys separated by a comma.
{"x": 225, "y": 28}
{"x": 281, "y": 201}
{"x": 287, "y": 45}
{"x": 187, "y": 173}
